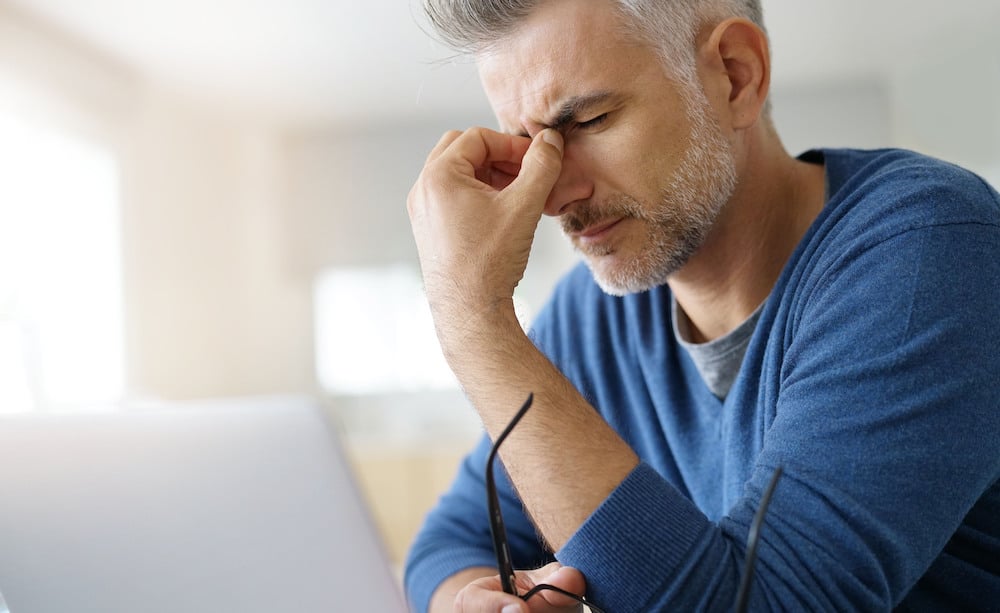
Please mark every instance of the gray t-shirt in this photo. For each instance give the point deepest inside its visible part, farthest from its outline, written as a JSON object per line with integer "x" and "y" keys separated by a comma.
{"x": 717, "y": 361}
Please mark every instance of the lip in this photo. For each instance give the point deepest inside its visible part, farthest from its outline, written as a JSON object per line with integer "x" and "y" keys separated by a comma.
{"x": 598, "y": 231}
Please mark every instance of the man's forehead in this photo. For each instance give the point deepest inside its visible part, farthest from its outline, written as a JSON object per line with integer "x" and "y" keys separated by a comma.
{"x": 543, "y": 89}
{"x": 558, "y": 114}
{"x": 558, "y": 41}
{"x": 566, "y": 54}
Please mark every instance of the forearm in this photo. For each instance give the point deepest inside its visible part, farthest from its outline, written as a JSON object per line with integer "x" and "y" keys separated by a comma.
{"x": 474, "y": 211}
{"x": 563, "y": 459}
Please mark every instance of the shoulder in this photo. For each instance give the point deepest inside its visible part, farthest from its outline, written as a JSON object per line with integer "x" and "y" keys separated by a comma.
{"x": 901, "y": 228}
{"x": 907, "y": 189}
{"x": 877, "y": 197}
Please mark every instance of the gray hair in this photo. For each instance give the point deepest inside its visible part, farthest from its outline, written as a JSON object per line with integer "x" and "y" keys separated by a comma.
{"x": 670, "y": 26}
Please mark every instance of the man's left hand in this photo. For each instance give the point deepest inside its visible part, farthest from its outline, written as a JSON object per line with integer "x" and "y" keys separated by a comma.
{"x": 485, "y": 595}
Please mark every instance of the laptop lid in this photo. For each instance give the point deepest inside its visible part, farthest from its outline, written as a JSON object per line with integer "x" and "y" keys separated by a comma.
{"x": 227, "y": 507}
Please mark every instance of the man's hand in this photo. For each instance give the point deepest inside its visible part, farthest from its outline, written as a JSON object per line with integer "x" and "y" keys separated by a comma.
{"x": 486, "y": 596}
{"x": 474, "y": 210}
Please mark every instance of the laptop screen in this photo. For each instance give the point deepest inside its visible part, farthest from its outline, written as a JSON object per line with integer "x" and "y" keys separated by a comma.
{"x": 237, "y": 506}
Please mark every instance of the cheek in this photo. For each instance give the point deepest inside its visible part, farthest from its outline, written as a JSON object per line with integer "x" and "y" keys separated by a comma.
{"x": 635, "y": 163}
{"x": 607, "y": 159}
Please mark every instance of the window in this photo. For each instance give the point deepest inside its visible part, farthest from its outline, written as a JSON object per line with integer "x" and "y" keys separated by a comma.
{"x": 374, "y": 333}
{"x": 61, "y": 321}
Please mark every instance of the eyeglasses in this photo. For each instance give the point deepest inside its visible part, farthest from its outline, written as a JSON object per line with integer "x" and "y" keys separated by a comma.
{"x": 500, "y": 545}
{"x": 502, "y": 549}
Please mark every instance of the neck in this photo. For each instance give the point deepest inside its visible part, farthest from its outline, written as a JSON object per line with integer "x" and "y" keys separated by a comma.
{"x": 776, "y": 200}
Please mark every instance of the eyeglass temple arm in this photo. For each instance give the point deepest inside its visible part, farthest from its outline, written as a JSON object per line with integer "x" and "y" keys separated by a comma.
{"x": 497, "y": 530}
{"x": 753, "y": 537}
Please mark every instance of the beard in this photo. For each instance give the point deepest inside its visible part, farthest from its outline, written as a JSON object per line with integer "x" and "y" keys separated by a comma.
{"x": 677, "y": 223}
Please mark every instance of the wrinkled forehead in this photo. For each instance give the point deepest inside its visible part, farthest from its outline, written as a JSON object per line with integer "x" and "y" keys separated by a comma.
{"x": 564, "y": 49}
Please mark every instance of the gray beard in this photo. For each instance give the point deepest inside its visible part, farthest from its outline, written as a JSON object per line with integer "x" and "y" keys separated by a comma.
{"x": 683, "y": 217}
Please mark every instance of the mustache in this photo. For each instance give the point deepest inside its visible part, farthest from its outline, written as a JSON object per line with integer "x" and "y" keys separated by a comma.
{"x": 584, "y": 216}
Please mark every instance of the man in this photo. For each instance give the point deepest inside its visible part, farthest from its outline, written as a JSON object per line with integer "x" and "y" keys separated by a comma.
{"x": 837, "y": 315}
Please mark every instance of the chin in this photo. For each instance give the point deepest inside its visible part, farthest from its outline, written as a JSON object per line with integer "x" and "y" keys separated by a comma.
{"x": 624, "y": 280}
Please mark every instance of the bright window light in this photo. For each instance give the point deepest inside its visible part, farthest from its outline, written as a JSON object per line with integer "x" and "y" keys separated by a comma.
{"x": 61, "y": 322}
{"x": 374, "y": 333}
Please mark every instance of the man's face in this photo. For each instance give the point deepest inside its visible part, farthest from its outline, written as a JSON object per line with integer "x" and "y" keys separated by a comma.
{"x": 646, "y": 169}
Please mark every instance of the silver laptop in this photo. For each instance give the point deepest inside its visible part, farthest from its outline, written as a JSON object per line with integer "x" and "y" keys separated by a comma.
{"x": 239, "y": 507}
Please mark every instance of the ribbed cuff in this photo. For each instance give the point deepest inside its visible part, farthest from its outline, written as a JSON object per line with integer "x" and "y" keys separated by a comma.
{"x": 635, "y": 541}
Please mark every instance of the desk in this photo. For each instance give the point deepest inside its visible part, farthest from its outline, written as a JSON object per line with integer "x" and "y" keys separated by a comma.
{"x": 402, "y": 481}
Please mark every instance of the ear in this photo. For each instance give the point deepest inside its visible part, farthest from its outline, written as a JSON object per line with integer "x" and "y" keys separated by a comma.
{"x": 735, "y": 66}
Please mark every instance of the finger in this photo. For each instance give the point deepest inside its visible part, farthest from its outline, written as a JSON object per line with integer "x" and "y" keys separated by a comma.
{"x": 481, "y": 146}
{"x": 540, "y": 167}
{"x": 565, "y": 578}
{"x": 539, "y": 575}
{"x": 499, "y": 174}
{"x": 485, "y": 596}
{"x": 446, "y": 140}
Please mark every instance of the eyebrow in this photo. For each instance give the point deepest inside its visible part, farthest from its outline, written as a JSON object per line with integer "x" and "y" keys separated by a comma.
{"x": 574, "y": 107}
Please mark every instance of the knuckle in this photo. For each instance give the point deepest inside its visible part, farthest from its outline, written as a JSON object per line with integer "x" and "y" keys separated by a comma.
{"x": 475, "y": 133}
{"x": 419, "y": 194}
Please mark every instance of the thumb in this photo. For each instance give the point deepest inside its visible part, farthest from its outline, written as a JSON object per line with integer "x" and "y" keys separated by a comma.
{"x": 569, "y": 579}
{"x": 540, "y": 167}
{"x": 563, "y": 577}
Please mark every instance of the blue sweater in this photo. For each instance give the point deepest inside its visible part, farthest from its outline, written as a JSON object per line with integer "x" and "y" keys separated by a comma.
{"x": 873, "y": 378}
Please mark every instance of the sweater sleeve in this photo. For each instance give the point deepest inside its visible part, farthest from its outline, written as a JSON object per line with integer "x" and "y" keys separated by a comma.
{"x": 884, "y": 415}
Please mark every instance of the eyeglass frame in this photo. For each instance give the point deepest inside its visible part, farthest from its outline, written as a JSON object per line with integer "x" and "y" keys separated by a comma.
{"x": 501, "y": 546}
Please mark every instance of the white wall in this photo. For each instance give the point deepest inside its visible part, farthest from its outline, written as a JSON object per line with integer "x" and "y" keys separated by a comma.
{"x": 852, "y": 113}
{"x": 946, "y": 100}
{"x": 53, "y": 78}
{"x": 210, "y": 307}
{"x": 941, "y": 97}
{"x": 214, "y": 308}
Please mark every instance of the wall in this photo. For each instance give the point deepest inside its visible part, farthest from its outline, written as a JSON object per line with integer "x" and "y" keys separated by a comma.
{"x": 946, "y": 99}
{"x": 849, "y": 113}
{"x": 52, "y": 78}
{"x": 210, "y": 306}
{"x": 214, "y": 308}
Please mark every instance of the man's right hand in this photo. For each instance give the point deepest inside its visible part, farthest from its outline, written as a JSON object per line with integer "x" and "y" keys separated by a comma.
{"x": 474, "y": 210}
{"x": 485, "y": 595}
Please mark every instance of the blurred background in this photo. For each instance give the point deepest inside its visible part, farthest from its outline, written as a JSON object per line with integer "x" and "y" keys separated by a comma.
{"x": 207, "y": 199}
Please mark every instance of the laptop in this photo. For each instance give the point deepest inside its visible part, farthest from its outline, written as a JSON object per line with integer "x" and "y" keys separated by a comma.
{"x": 243, "y": 507}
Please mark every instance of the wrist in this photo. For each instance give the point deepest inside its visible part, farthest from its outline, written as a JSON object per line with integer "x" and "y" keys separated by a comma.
{"x": 465, "y": 329}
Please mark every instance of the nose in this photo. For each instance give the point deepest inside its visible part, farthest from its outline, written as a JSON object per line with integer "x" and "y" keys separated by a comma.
{"x": 573, "y": 185}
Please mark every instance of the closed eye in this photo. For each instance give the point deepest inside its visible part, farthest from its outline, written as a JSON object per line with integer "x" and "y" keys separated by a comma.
{"x": 592, "y": 123}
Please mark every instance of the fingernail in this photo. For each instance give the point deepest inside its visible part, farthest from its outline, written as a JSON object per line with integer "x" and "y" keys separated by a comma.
{"x": 511, "y": 608}
{"x": 553, "y": 138}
